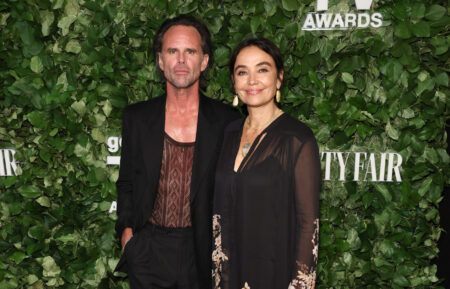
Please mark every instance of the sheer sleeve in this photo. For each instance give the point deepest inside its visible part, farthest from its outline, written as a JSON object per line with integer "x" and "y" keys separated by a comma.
{"x": 307, "y": 188}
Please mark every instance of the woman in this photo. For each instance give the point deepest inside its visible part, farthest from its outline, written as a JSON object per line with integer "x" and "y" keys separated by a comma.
{"x": 265, "y": 219}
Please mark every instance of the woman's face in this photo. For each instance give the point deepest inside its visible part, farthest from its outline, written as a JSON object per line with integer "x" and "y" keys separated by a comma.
{"x": 255, "y": 77}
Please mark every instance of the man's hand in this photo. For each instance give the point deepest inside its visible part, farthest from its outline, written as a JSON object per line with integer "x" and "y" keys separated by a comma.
{"x": 126, "y": 236}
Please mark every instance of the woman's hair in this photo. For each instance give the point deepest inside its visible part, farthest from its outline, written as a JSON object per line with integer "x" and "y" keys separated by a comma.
{"x": 265, "y": 45}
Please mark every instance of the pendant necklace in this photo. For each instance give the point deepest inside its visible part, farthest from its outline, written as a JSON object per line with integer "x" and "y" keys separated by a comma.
{"x": 247, "y": 143}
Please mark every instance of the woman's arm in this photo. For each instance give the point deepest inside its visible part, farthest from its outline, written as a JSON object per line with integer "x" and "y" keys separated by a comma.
{"x": 307, "y": 188}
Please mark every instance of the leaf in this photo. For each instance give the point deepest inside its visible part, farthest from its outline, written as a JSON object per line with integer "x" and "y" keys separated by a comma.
{"x": 79, "y": 107}
{"x": 73, "y": 46}
{"x": 221, "y": 56}
{"x": 50, "y": 268}
{"x": 29, "y": 191}
{"x": 36, "y": 64}
{"x": 25, "y": 32}
{"x": 37, "y": 119}
{"x": 400, "y": 280}
{"x": 402, "y": 30}
{"x": 291, "y": 30}
{"x": 442, "y": 79}
{"x": 347, "y": 77}
{"x": 290, "y": 5}
{"x": 384, "y": 191}
{"x": 435, "y": 12}
{"x": 64, "y": 23}
{"x": 43, "y": 201}
{"x": 421, "y": 29}
{"x": 47, "y": 18}
{"x": 418, "y": 10}
{"x": 391, "y": 131}
{"x": 17, "y": 257}
{"x": 36, "y": 232}
{"x": 424, "y": 187}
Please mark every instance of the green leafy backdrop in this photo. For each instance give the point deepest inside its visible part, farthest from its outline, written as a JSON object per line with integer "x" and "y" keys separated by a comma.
{"x": 68, "y": 67}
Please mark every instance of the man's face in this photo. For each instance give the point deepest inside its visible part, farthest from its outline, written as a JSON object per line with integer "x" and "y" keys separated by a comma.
{"x": 181, "y": 57}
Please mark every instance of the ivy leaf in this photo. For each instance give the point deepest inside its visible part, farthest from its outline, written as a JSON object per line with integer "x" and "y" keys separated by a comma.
{"x": 43, "y": 201}
{"x": 391, "y": 131}
{"x": 289, "y": 5}
{"x": 37, "y": 119}
{"x": 73, "y": 46}
{"x": 418, "y": 10}
{"x": 347, "y": 77}
{"x": 291, "y": 30}
{"x": 51, "y": 269}
{"x": 79, "y": 107}
{"x": 47, "y": 18}
{"x": 421, "y": 29}
{"x": 384, "y": 191}
{"x": 435, "y": 12}
{"x": 36, "y": 64}
{"x": 25, "y": 32}
{"x": 221, "y": 56}
{"x": 400, "y": 280}
{"x": 36, "y": 232}
{"x": 442, "y": 79}
{"x": 29, "y": 191}
{"x": 402, "y": 30}
{"x": 17, "y": 257}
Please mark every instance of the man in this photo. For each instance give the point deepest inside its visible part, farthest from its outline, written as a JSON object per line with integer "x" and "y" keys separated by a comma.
{"x": 170, "y": 146}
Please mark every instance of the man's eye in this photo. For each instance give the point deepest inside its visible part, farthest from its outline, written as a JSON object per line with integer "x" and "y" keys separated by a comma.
{"x": 171, "y": 51}
{"x": 190, "y": 51}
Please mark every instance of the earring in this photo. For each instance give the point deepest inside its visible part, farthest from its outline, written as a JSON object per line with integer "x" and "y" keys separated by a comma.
{"x": 235, "y": 100}
{"x": 278, "y": 96}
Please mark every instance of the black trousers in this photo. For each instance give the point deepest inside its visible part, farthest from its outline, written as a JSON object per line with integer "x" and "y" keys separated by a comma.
{"x": 161, "y": 258}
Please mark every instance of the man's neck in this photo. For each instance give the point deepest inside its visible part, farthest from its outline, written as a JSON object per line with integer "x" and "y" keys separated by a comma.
{"x": 182, "y": 100}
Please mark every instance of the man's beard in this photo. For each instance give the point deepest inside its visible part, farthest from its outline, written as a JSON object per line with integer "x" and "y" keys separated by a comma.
{"x": 183, "y": 82}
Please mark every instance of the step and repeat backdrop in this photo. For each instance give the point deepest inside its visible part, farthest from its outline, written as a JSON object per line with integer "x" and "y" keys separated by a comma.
{"x": 369, "y": 77}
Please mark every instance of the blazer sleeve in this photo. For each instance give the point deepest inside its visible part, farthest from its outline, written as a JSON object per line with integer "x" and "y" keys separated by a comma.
{"x": 124, "y": 183}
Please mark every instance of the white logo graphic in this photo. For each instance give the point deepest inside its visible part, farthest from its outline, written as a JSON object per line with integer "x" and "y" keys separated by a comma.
{"x": 337, "y": 21}
{"x": 114, "y": 143}
{"x": 8, "y": 165}
{"x": 363, "y": 163}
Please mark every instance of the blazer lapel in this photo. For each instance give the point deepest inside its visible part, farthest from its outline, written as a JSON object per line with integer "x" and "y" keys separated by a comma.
{"x": 152, "y": 142}
{"x": 208, "y": 133}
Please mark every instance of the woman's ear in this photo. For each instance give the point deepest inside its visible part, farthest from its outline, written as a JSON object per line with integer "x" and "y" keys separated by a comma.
{"x": 280, "y": 78}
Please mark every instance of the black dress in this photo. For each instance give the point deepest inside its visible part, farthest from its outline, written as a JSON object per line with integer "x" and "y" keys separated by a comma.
{"x": 265, "y": 215}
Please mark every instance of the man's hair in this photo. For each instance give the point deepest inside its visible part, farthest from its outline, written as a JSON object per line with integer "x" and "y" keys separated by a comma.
{"x": 185, "y": 20}
{"x": 265, "y": 45}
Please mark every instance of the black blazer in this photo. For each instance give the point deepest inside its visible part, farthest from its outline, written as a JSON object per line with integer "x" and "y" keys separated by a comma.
{"x": 140, "y": 164}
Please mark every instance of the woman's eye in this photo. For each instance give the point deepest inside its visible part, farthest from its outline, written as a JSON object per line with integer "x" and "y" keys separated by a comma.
{"x": 263, "y": 70}
{"x": 240, "y": 73}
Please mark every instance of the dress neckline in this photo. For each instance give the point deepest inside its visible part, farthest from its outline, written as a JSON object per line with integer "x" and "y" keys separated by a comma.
{"x": 255, "y": 145}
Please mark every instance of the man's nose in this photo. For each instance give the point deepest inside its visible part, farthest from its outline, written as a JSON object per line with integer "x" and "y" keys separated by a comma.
{"x": 181, "y": 58}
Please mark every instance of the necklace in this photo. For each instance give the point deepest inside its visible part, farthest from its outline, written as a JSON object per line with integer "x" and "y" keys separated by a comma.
{"x": 247, "y": 143}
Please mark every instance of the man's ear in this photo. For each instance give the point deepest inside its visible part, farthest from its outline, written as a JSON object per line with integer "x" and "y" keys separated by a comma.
{"x": 160, "y": 61}
{"x": 205, "y": 61}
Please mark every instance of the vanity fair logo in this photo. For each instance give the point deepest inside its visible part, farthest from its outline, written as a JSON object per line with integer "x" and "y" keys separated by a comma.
{"x": 364, "y": 166}
{"x": 8, "y": 165}
{"x": 114, "y": 143}
{"x": 338, "y": 21}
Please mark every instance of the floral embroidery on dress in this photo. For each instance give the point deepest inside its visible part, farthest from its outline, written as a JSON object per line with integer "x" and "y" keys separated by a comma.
{"x": 306, "y": 276}
{"x": 218, "y": 256}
